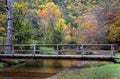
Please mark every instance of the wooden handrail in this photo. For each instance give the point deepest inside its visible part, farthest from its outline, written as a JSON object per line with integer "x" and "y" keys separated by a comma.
{"x": 57, "y": 48}
{"x": 61, "y": 44}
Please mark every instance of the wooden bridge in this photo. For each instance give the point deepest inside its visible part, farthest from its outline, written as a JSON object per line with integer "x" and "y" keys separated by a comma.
{"x": 102, "y": 52}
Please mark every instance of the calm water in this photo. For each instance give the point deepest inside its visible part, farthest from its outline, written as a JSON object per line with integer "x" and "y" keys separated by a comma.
{"x": 36, "y": 69}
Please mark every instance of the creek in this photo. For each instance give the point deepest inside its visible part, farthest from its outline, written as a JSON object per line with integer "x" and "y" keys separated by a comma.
{"x": 36, "y": 69}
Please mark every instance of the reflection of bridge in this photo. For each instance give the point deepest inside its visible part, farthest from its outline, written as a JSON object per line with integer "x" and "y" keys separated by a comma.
{"x": 102, "y": 52}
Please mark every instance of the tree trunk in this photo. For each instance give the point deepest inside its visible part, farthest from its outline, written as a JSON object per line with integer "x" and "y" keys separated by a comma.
{"x": 9, "y": 7}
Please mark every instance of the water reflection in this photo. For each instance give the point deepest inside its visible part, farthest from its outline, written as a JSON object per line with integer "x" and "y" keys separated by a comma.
{"x": 36, "y": 69}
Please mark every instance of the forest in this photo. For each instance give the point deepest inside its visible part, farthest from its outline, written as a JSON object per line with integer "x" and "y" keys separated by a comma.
{"x": 62, "y": 30}
{"x": 62, "y": 21}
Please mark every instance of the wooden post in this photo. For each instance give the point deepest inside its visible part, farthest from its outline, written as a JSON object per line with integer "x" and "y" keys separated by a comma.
{"x": 77, "y": 50}
{"x": 112, "y": 50}
{"x": 82, "y": 50}
{"x": 40, "y": 49}
{"x": 12, "y": 50}
{"x": 57, "y": 50}
{"x": 34, "y": 50}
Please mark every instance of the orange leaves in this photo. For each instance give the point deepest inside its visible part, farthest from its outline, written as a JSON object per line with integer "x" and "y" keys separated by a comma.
{"x": 49, "y": 10}
{"x": 74, "y": 33}
{"x": 42, "y": 14}
{"x": 46, "y": 1}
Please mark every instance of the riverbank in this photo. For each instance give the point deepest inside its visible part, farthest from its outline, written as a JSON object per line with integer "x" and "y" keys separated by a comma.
{"x": 103, "y": 71}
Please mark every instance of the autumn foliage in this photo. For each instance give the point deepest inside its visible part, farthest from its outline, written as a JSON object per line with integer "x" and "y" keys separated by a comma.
{"x": 65, "y": 21}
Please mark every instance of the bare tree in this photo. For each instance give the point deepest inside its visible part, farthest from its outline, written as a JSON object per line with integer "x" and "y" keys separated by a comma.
{"x": 9, "y": 8}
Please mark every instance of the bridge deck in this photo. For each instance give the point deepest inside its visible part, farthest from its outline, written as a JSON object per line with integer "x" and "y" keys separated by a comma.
{"x": 60, "y": 57}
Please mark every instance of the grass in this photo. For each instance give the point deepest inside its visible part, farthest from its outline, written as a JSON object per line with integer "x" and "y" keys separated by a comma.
{"x": 117, "y": 60}
{"x": 108, "y": 71}
{"x": 48, "y": 51}
{"x": 1, "y": 64}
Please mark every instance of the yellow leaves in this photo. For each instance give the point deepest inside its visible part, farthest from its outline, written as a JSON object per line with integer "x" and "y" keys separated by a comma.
{"x": 2, "y": 17}
{"x": 69, "y": 7}
{"x": 2, "y": 22}
{"x": 1, "y": 29}
{"x": 42, "y": 13}
{"x": 114, "y": 34}
{"x": 51, "y": 4}
{"x": 87, "y": 26}
{"x": 53, "y": 10}
{"x": 73, "y": 17}
{"x": 49, "y": 9}
{"x": 20, "y": 8}
{"x": 67, "y": 30}
{"x": 41, "y": 7}
{"x": 58, "y": 13}
{"x": 115, "y": 24}
{"x": 20, "y": 5}
{"x": 60, "y": 24}
{"x": 94, "y": 2}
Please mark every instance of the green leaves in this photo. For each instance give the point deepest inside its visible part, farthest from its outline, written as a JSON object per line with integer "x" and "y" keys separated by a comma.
{"x": 46, "y": 21}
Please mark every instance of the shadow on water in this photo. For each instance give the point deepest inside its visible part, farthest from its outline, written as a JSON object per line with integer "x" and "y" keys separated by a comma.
{"x": 36, "y": 69}
{"x": 24, "y": 75}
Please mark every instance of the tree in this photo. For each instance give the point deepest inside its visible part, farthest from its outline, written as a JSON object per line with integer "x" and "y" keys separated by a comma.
{"x": 106, "y": 14}
{"x": 52, "y": 21}
{"x": 9, "y": 24}
{"x": 22, "y": 30}
{"x": 2, "y": 6}
{"x": 58, "y": 34}
{"x": 114, "y": 35}
{"x": 2, "y": 18}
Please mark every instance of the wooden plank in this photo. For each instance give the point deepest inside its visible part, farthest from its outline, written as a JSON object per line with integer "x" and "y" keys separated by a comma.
{"x": 59, "y": 57}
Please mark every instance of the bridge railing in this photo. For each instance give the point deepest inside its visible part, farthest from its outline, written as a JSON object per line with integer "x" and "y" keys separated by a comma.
{"x": 60, "y": 49}
{"x": 6, "y": 49}
{"x": 99, "y": 49}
